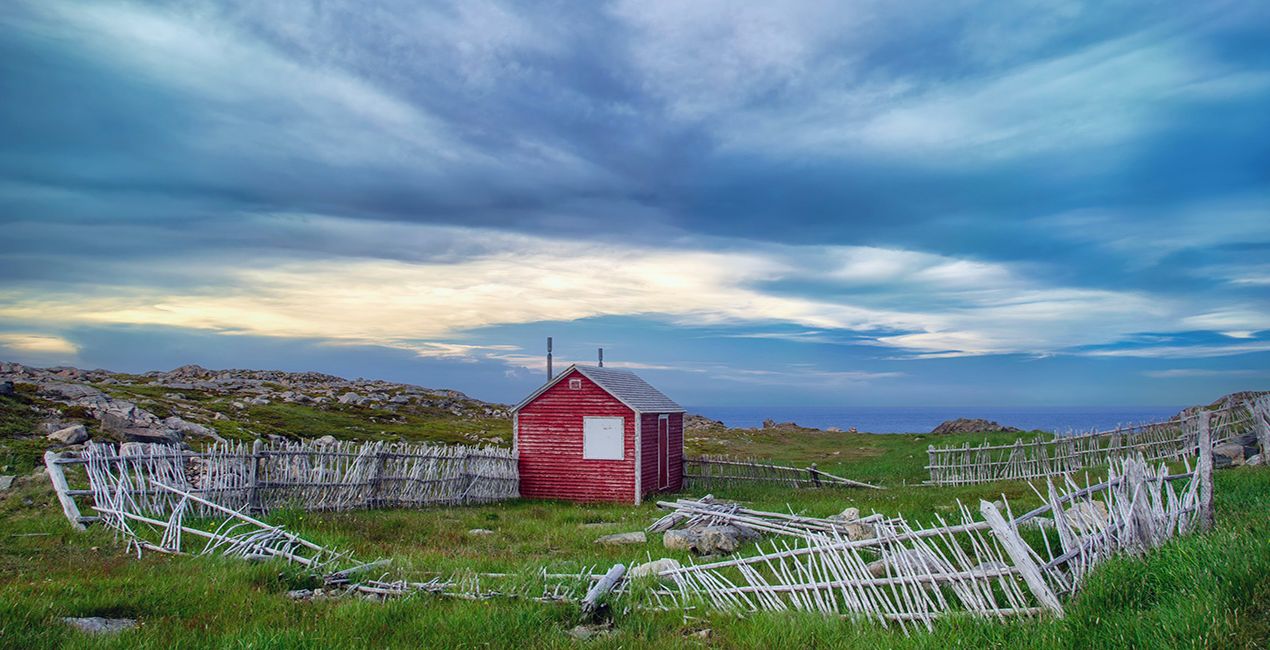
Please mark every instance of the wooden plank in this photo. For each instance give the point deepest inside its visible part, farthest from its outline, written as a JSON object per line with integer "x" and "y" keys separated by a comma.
{"x": 1019, "y": 553}
{"x": 58, "y": 477}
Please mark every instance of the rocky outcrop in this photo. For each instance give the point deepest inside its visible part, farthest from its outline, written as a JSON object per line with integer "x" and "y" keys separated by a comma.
{"x": 184, "y": 398}
{"x": 967, "y": 425}
{"x": 773, "y": 424}
{"x": 694, "y": 422}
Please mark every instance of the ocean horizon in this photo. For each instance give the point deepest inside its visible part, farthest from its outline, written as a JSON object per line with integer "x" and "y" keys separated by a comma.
{"x": 921, "y": 419}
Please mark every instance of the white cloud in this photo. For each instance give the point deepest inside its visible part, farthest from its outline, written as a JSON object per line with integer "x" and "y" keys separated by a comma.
{"x": 1183, "y": 351}
{"x": 1182, "y": 373}
{"x": 827, "y": 100}
{"x": 934, "y": 305}
{"x": 38, "y": 347}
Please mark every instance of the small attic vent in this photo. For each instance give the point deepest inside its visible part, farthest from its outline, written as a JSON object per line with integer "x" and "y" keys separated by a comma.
{"x": 575, "y": 384}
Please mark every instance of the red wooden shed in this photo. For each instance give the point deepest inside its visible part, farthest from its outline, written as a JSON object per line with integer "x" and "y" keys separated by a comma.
{"x": 598, "y": 434}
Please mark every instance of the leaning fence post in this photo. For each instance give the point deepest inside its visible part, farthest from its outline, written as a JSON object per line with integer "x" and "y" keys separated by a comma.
{"x": 1261, "y": 420}
{"x": 1021, "y": 556}
{"x": 58, "y": 477}
{"x": 1204, "y": 470}
{"x": 815, "y": 478}
{"x": 253, "y": 493}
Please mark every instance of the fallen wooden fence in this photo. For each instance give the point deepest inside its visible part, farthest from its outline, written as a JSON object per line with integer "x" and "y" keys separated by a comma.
{"x": 305, "y": 475}
{"x": 710, "y": 472}
{"x": 1063, "y": 454}
{"x": 991, "y": 565}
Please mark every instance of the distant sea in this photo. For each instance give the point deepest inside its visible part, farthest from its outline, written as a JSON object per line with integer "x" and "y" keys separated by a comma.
{"x": 921, "y": 419}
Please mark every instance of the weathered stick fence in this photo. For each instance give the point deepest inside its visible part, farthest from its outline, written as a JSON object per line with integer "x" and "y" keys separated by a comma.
{"x": 994, "y": 565}
{"x": 708, "y": 472}
{"x": 304, "y": 475}
{"x": 1063, "y": 454}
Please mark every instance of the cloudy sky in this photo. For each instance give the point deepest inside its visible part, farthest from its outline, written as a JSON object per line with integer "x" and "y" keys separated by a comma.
{"x": 863, "y": 203}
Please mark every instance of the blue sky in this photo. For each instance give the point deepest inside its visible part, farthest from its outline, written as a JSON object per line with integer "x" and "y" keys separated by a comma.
{"x": 858, "y": 203}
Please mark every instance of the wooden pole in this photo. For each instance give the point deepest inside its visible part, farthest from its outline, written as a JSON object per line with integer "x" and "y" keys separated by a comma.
{"x": 1017, "y": 549}
{"x": 1204, "y": 471}
{"x": 58, "y": 477}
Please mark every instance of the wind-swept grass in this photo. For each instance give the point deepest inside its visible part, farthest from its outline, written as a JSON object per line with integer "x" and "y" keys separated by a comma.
{"x": 1210, "y": 590}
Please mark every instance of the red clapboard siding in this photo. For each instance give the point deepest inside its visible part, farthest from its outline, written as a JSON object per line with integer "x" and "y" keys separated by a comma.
{"x": 549, "y": 440}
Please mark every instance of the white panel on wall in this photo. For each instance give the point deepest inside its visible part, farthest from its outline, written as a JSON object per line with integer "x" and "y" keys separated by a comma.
{"x": 602, "y": 438}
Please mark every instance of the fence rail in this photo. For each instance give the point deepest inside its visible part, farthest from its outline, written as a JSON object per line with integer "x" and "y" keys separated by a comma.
{"x": 720, "y": 471}
{"x": 1063, "y": 454}
{"x": 307, "y": 475}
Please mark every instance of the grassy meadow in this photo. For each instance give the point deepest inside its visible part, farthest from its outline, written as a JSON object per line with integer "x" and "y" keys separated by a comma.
{"x": 1210, "y": 590}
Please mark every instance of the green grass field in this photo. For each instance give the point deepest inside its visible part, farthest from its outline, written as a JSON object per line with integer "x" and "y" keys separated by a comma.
{"x": 1210, "y": 590}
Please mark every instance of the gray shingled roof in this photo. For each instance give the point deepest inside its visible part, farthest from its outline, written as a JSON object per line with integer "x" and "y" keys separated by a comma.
{"x": 622, "y": 384}
{"x": 631, "y": 389}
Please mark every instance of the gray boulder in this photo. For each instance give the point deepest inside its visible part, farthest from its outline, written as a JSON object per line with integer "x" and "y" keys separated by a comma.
{"x": 71, "y": 392}
{"x": 6, "y": 387}
{"x": 352, "y": 398}
{"x": 191, "y": 428}
{"x": 710, "y": 540}
{"x": 1230, "y": 454}
{"x": 6, "y": 482}
{"x": 72, "y": 435}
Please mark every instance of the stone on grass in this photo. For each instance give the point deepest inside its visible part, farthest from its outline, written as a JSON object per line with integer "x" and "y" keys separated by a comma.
{"x": 6, "y": 482}
{"x": 848, "y": 514}
{"x": 619, "y": 539}
{"x": 72, "y": 435}
{"x": 1087, "y": 516}
{"x": 326, "y": 440}
{"x": 480, "y": 532}
{"x": 586, "y": 632}
{"x": 1254, "y": 460}
{"x": 909, "y": 560}
{"x": 711, "y": 540}
{"x": 654, "y": 567}
{"x": 681, "y": 540}
{"x": 1230, "y": 454}
{"x": 99, "y": 625}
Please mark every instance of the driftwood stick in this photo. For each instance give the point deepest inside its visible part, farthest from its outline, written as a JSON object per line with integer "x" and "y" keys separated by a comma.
{"x": 591, "y": 603}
